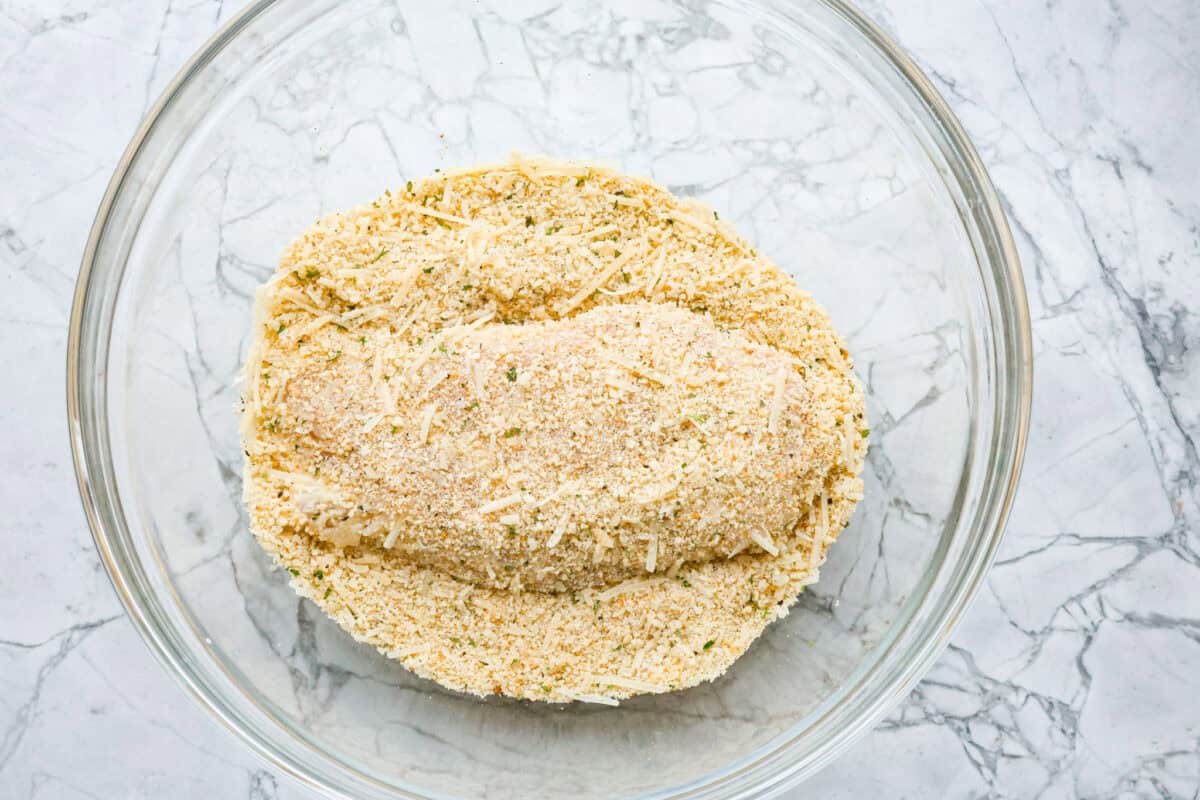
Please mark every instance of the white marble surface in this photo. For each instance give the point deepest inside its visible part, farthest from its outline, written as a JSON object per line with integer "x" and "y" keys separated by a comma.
{"x": 1076, "y": 673}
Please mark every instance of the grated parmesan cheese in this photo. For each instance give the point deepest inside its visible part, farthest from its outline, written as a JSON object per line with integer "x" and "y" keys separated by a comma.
{"x": 427, "y": 422}
{"x": 626, "y": 683}
{"x": 764, "y": 541}
{"x": 634, "y": 585}
{"x": 559, "y": 530}
{"x": 502, "y": 503}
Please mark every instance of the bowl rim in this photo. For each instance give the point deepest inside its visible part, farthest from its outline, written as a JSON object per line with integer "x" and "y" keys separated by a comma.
{"x": 1011, "y": 434}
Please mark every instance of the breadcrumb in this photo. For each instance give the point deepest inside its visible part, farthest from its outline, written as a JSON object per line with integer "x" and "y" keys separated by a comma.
{"x": 543, "y": 430}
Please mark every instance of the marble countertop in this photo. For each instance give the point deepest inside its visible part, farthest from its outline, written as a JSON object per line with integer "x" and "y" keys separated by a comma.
{"x": 1076, "y": 672}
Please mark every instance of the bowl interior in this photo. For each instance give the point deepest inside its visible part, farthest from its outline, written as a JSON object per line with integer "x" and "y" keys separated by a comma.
{"x": 776, "y": 119}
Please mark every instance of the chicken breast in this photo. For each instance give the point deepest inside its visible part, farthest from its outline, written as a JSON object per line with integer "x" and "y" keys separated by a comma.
{"x": 559, "y": 455}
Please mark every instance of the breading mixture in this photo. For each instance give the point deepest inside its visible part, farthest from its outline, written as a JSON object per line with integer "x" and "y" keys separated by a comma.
{"x": 544, "y": 430}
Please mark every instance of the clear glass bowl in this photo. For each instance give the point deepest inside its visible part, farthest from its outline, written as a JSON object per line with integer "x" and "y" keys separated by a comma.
{"x": 799, "y": 121}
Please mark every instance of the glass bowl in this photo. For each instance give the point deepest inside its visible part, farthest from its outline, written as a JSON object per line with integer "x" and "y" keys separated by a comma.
{"x": 799, "y": 121}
